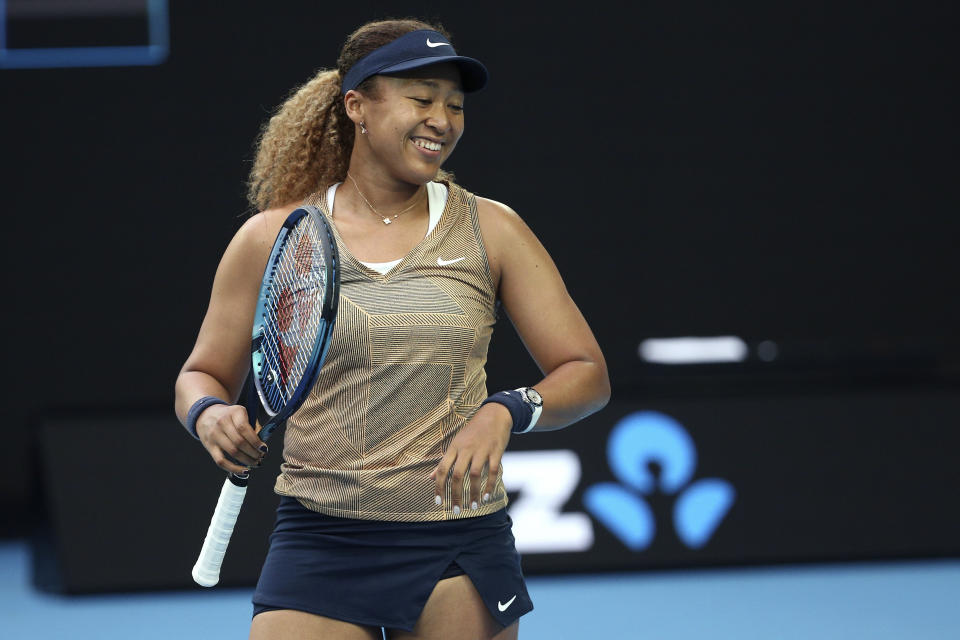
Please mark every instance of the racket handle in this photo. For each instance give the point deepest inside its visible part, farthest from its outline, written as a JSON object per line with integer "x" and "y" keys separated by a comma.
{"x": 206, "y": 572}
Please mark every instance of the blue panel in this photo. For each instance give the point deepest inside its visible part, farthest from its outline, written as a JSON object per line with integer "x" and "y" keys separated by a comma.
{"x": 151, "y": 54}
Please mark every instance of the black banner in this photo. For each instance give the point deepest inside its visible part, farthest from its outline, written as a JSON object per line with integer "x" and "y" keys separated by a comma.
{"x": 753, "y": 479}
{"x": 677, "y": 482}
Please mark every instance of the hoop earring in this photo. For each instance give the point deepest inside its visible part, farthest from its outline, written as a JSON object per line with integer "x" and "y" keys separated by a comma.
{"x": 363, "y": 129}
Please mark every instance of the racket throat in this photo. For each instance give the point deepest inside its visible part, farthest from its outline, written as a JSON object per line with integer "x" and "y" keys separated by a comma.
{"x": 268, "y": 430}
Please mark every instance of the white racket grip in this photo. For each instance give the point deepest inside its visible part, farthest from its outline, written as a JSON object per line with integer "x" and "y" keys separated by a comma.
{"x": 206, "y": 572}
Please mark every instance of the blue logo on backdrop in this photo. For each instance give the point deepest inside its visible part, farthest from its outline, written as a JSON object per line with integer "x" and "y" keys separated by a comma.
{"x": 635, "y": 442}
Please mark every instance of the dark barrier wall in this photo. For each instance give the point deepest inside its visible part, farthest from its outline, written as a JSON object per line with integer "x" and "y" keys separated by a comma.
{"x": 666, "y": 482}
{"x": 783, "y": 173}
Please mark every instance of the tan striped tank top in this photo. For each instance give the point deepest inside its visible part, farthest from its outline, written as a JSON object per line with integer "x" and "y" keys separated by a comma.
{"x": 405, "y": 371}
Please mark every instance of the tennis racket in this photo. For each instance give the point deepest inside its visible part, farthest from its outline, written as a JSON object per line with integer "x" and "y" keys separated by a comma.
{"x": 292, "y": 326}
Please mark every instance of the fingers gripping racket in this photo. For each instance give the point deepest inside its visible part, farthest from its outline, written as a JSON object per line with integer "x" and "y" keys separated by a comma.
{"x": 294, "y": 320}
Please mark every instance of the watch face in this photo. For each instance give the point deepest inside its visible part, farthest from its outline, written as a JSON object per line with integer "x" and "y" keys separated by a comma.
{"x": 533, "y": 396}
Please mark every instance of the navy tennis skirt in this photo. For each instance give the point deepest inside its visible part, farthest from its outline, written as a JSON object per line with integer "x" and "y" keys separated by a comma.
{"x": 380, "y": 574}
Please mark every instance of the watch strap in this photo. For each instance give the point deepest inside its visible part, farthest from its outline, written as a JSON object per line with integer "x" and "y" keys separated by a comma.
{"x": 537, "y": 410}
{"x": 524, "y": 413}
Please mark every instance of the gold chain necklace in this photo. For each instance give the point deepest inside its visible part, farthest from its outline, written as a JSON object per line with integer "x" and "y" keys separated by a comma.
{"x": 386, "y": 219}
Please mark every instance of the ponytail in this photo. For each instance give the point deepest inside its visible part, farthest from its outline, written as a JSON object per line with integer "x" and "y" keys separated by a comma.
{"x": 304, "y": 147}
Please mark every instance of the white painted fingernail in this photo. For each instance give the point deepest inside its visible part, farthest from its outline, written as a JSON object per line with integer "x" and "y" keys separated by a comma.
{"x": 438, "y": 500}
{"x": 473, "y": 505}
{"x": 456, "y": 509}
{"x": 486, "y": 497}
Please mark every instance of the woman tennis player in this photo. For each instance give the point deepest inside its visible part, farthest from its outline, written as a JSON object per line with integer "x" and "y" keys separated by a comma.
{"x": 392, "y": 513}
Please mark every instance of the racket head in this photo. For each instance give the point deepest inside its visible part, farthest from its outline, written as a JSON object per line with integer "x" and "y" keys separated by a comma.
{"x": 295, "y": 314}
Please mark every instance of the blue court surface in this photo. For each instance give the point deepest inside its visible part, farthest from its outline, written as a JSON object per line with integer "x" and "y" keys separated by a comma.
{"x": 882, "y": 600}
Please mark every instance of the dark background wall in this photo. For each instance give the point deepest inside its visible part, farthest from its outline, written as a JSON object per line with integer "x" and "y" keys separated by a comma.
{"x": 775, "y": 171}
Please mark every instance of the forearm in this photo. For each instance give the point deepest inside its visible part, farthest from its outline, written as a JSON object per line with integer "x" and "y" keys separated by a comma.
{"x": 193, "y": 385}
{"x": 571, "y": 392}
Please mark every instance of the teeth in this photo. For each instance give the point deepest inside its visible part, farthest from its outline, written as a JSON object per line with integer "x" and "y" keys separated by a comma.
{"x": 427, "y": 144}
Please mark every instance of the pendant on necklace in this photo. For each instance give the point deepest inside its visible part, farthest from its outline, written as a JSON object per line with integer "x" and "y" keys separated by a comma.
{"x": 387, "y": 221}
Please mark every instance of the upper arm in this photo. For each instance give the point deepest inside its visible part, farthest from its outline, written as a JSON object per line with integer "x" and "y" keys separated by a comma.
{"x": 222, "y": 349}
{"x": 532, "y": 291}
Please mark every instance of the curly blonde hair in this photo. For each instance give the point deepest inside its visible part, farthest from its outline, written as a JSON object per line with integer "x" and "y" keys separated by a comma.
{"x": 306, "y": 145}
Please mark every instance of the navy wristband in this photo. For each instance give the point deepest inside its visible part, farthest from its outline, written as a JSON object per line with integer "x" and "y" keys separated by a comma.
{"x": 198, "y": 408}
{"x": 520, "y": 410}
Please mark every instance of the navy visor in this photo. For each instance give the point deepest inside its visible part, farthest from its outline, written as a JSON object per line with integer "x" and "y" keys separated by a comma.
{"x": 412, "y": 51}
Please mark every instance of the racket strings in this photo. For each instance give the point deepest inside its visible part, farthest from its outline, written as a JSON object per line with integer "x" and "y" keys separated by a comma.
{"x": 293, "y": 331}
{"x": 295, "y": 304}
{"x": 293, "y": 317}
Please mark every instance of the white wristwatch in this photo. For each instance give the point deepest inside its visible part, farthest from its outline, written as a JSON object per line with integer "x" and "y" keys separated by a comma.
{"x": 535, "y": 401}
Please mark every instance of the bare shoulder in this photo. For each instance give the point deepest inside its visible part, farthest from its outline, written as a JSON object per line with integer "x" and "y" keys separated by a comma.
{"x": 247, "y": 253}
{"x": 498, "y": 217}
{"x": 506, "y": 236}
{"x": 261, "y": 229}
{"x": 506, "y": 230}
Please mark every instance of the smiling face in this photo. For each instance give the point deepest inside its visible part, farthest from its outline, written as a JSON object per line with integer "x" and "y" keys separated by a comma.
{"x": 413, "y": 122}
